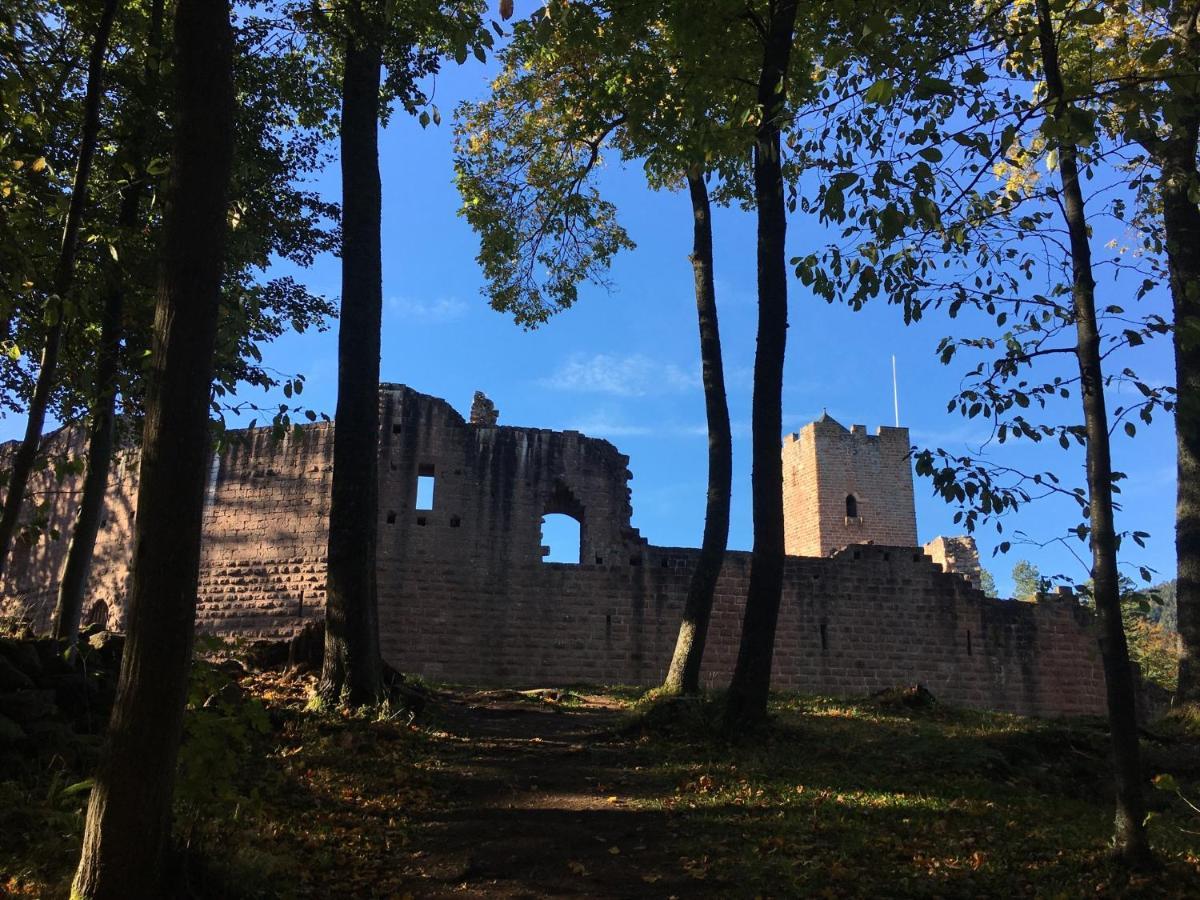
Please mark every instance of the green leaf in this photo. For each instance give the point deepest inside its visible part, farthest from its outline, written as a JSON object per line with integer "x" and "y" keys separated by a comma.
{"x": 880, "y": 92}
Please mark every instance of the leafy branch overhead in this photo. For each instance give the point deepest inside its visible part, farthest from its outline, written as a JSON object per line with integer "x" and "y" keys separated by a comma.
{"x": 667, "y": 86}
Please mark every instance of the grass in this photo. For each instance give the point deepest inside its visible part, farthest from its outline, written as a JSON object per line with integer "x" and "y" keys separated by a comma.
{"x": 843, "y": 798}
{"x": 836, "y": 798}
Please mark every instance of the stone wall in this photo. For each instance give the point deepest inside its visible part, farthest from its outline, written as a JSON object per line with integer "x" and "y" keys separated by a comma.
{"x": 465, "y": 594}
{"x": 957, "y": 554}
{"x": 824, "y": 466}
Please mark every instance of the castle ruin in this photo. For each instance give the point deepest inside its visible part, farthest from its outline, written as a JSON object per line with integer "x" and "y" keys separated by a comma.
{"x": 466, "y": 595}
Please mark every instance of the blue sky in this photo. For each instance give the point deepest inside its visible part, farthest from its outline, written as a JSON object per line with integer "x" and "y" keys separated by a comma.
{"x": 624, "y": 365}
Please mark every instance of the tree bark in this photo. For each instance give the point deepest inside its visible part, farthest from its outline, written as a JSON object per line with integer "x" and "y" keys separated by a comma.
{"x": 64, "y": 276}
{"x": 128, "y": 830}
{"x": 1176, "y": 155}
{"x": 72, "y": 585}
{"x": 1130, "y": 834}
{"x": 683, "y": 676}
{"x": 746, "y": 703}
{"x": 352, "y": 669}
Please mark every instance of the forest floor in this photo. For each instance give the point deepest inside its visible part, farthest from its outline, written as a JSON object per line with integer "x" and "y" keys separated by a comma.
{"x": 590, "y": 793}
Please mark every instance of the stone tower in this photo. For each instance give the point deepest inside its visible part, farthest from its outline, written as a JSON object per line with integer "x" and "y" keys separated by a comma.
{"x": 843, "y": 487}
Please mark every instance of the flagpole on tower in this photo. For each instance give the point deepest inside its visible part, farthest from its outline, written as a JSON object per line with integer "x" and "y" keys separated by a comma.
{"x": 895, "y": 392}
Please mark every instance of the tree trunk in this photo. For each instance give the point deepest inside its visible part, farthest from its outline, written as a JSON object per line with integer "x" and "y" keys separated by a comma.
{"x": 1130, "y": 837}
{"x": 127, "y": 835}
{"x": 1181, "y": 221}
{"x": 72, "y": 585}
{"x": 747, "y": 700}
{"x": 64, "y": 275}
{"x": 683, "y": 677}
{"x": 352, "y": 670}
{"x": 1182, "y": 224}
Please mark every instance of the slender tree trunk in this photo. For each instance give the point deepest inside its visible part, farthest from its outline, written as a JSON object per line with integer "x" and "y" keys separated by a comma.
{"x": 352, "y": 670}
{"x": 1181, "y": 221}
{"x": 748, "y": 690}
{"x": 1130, "y": 838}
{"x": 127, "y": 835}
{"x": 64, "y": 275}
{"x": 72, "y": 585}
{"x": 683, "y": 677}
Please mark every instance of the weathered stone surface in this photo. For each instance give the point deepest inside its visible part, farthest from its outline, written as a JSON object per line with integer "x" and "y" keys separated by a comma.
{"x": 464, "y": 593}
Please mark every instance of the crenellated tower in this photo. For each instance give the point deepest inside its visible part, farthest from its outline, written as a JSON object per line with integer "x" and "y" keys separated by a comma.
{"x": 843, "y": 486}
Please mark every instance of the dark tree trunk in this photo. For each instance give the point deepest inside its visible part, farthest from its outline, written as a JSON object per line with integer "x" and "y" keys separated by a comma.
{"x": 127, "y": 836}
{"x": 683, "y": 677}
{"x": 64, "y": 275}
{"x": 352, "y": 670}
{"x": 68, "y": 609}
{"x": 747, "y": 700}
{"x": 1176, "y": 155}
{"x": 1130, "y": 838}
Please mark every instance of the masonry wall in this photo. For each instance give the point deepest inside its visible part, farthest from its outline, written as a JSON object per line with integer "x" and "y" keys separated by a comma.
{"x": 847, "y": 626}
{"x": 30, "y": 583}
{"x": 824, "y": 464}
{"x": 465, "y": 596}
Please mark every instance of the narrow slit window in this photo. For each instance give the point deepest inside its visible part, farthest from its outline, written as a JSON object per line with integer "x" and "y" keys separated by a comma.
{"x": 425, "y": 481}
{"x": 851, "y": 506}
{"x": 824, "y": 637}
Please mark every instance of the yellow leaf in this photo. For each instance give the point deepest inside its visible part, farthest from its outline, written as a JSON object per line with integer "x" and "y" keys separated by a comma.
{"x": 38, "y": 164}
{"x": 615, "y": 851}
{"x": 578, "y": 868}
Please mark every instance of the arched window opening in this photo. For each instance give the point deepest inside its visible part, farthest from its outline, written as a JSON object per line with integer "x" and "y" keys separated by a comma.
{"x": 97, "y": 615}
{"x": 851, "y": 506}
{"x": 561, "y": 539}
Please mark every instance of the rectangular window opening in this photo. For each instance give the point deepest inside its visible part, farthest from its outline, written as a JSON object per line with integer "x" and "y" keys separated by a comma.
{"x": 824, "y": 637}
{"x": 391, "y": 518}
{"x": 425, "y": 488}
{"x": 969, "y": 644}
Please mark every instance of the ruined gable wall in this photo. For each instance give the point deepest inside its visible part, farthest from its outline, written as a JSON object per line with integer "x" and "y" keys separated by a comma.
{"x": 492, "y": 485}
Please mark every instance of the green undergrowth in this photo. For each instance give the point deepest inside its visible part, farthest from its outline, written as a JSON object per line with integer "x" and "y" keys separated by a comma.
{"x": 838, "y": 798}
{"x": 888, "y": 797}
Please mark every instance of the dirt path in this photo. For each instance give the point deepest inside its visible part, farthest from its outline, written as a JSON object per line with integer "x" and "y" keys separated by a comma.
{"x": 536, "y": 801}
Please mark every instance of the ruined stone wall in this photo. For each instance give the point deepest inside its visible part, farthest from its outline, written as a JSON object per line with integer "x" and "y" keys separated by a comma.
{"x": 262, "y": 568}
{"x": 823, "y": 465}
{"x": 866, "y": 619}
{"x": 30, "y": 583}
{"x": 262, "y": 560}
{"x": 465, "y": 596}
{"x": 957, "y": 554}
